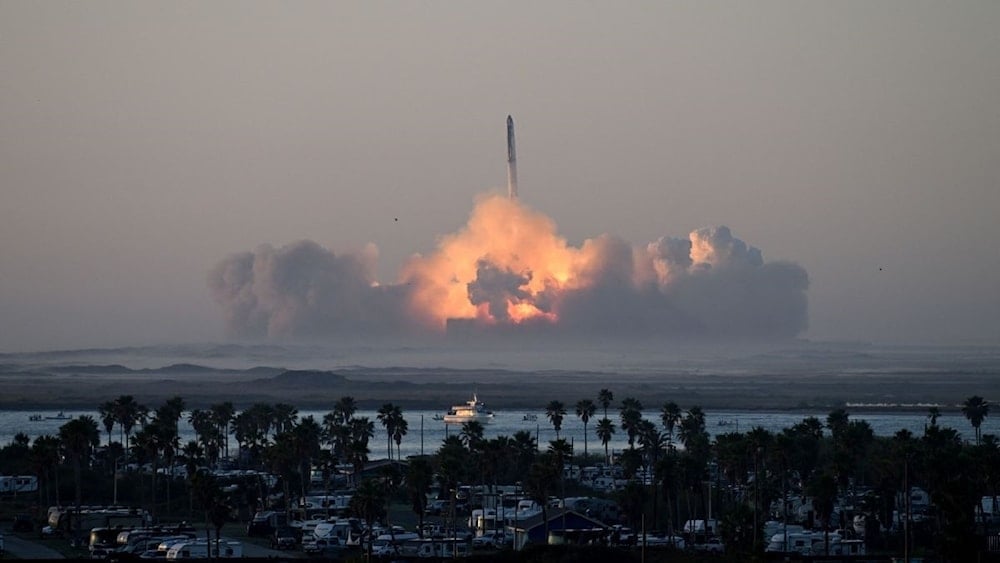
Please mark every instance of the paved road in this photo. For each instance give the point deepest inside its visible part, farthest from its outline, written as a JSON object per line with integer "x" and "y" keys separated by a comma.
{"x": 27, "y": 549}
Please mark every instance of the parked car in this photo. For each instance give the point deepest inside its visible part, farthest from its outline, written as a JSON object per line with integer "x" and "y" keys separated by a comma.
{"x": 284, "y": 538}
{"x": 710, "y": 545}
{"x": 487, "y": 540}
{"x": 438, "y": 507}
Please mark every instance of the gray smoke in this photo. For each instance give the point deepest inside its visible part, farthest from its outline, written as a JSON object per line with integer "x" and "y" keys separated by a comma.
{"x": 708, "y": 285}
{"x": 303, "y": 289}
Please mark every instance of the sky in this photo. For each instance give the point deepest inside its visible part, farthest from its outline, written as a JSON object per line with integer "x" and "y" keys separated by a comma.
{"x": 143, "y": 143}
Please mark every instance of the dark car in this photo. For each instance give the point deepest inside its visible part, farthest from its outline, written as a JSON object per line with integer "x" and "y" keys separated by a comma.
{"x": 23, "y": 523}
{"x": 284, "y": 538}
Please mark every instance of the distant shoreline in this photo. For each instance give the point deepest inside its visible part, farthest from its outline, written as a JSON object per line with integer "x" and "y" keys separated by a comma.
{"x": 787, "y": 377}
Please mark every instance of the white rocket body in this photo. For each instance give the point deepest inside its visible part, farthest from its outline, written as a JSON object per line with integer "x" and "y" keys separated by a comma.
{"x": 511, "y": 160}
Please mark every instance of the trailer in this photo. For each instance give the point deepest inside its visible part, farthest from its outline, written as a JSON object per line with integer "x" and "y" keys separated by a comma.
{"x": 18, "y": 484}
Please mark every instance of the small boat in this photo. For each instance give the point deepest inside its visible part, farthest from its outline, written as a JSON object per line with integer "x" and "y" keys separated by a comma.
{"x": 35, "y": 417}
{"x": 438, "y": 416}
{"x": 473, "y": 409}
{"x": 530, "y": 417}
{"x": 59, "y": 416}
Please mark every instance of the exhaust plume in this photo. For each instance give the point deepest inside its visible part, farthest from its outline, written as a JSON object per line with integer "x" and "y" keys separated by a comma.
{"x": 508, "y": 270}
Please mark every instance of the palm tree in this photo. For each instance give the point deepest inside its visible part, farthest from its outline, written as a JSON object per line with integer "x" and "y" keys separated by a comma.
{"x": 45, "y": 457}
{"x": 222, "y": 415}
{"x": 128, "y": 413}
{"x": 362, "y": 430}
{"x": 472, "y": 434}
{"x": 605, "y": 397}
{"x": 336, "y": 433}
{"x": 419, "y": 478}
{"x": 345, "y": 408}
{"x": 397, "y": 436}
{"x": 605, "y": 430}
{"x": 206, "y": 428}
{"x": 630, "y": 413}
{"x": 306, "y": 434}
{"x": 79, "y": 437}
{"x": 541, "y": 481}
{"x": 214, "y": 503}
{"x": 585, "y": 408}
{"x": 823, "y": 490}
{"x": 106, "y": 412}
{"x": 555, "y": 411}
{"x": 282, "y": 458}
{"x": 388, "y": 421}
{"x": 368, "y": 502}
{"x": 976, "y": 409}
{"x": 933, "y": 414}
{"x": 170, "y": 414}
{"x": 837, "y": 422}
{"x": 357, "y": 456}
{"x": 285, "y": 416}
{"x": 670, "y": 414}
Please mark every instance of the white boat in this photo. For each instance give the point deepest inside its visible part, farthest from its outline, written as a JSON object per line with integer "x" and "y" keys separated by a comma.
{"x": 473, "y": 409}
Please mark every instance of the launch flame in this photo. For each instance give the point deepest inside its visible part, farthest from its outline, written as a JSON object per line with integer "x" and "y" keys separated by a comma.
{"x": 508, "y": 267}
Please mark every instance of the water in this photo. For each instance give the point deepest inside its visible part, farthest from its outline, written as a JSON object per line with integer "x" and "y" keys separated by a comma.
{"x": 509, "y": 422}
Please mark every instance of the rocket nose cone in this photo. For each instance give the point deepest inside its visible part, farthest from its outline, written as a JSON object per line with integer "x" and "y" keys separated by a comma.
{"x": 510, "y": 120}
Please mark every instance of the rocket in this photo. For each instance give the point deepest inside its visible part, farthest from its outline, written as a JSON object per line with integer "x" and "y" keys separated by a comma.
{"x": 511, "y": 160}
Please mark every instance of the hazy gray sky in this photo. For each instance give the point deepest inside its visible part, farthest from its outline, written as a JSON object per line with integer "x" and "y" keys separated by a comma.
{"x": 143, "y": 142}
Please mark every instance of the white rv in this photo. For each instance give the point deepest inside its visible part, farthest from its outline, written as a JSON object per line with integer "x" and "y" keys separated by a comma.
{"x": 223, "y": 549}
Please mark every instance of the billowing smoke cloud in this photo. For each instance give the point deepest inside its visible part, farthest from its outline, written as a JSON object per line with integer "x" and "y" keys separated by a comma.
{"x": 507, "y": 269}
{"x": 303, "y": 289}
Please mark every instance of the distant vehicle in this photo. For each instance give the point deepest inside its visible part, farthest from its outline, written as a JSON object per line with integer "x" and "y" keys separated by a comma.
{"x": 438, "y": 507}
{"x": 265, "y": 523}
{"x": 199, "y": 550}
{"x": 443, "y": 549}
{"x": 675, "y": 542}
{"x": 284, "y": 538}
{"x": 65, "y": 519}
{"x": 710, "y": 545}
{"x": 489, "y": 540}
{"x": 17, "y": 484}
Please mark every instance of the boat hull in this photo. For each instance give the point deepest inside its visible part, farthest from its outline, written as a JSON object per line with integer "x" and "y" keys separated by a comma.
{"x": 462, "y": 419}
